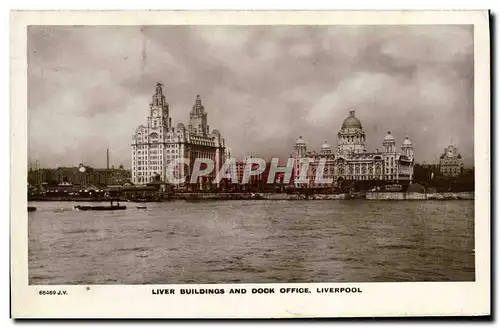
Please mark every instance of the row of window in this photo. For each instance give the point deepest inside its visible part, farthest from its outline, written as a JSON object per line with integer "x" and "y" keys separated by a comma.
{"x": 145, "y": 163}
{"x": 145, "y": 158}
{"x": 145, "y": 179}
{"x": 204, "y": 155}
{"x": 167, "y": 136}
{"x": 153, "y": 152}
{"x": 352, "y": 139}
{"x": 149, "y": 173}
{"x": 351, "y": 171}
{"x": 355, "y": 177}
{"x": 154, "y": 146}
{"x": 146, "y": 175}
{"x": 360, "y": 177}
{"x": 203, "y": 143}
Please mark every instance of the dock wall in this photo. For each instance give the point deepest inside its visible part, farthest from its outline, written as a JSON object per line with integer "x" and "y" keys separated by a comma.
{"x": 419, "y": 196}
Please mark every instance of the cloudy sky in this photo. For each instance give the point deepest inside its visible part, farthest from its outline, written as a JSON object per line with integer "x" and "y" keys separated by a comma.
{"x": 262, "y": 86}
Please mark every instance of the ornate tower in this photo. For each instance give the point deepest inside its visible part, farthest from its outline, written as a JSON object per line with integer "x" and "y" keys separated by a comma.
{"x": 198, "y": 118}
{"x": 389, "y": 143}
{"x": 351, "y": 138}
{"x": 300, "y": 147}
{"x": 326, "y": 149}
{"x": 407, "y": 148}
{"x": 390, "y": 157}
{"x": 159, "y": 110}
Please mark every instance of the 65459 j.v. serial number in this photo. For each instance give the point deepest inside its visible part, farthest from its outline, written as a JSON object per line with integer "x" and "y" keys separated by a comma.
{"x": 52, "y": 292}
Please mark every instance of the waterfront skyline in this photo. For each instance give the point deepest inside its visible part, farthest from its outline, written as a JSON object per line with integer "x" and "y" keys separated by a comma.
{"x": 91, "y": 85}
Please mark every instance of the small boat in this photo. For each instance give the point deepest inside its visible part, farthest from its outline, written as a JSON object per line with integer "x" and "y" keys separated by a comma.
{"x": 141, "y": 207}
{"x": 31, "y": 208}
{"x": 99, "y": 208}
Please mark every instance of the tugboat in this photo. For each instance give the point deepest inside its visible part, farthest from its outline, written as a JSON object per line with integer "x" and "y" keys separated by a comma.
{"x": 101, "y": 208}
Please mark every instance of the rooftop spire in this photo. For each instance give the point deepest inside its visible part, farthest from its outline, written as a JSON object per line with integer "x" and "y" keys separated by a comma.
{"x": 158, "y": 97}
{"x": 198, "y": 107}
{"x": 159, "y": 90}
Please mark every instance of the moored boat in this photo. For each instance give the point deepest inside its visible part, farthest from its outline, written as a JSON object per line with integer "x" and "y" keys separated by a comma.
{"x": 31, "y": 208}
{"x": 99, "y": 208}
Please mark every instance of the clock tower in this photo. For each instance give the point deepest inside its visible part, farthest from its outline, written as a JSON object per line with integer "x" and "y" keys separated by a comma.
{"x": 198, "y": 118}
{"x": 159, "y": 110}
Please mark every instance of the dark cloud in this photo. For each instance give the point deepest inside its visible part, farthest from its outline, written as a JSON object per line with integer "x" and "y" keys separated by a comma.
{"x": 263, "y": 86}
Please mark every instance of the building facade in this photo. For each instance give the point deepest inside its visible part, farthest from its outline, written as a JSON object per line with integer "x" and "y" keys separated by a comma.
{"x": 350, "y": 161}
{"x": 78, "y": 177}
{"x": 450, "y": 162}
{"x": 158, "y": 143}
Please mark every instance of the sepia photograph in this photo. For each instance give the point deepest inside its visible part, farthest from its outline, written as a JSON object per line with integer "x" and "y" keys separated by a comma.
{"x": 211, "y": 157}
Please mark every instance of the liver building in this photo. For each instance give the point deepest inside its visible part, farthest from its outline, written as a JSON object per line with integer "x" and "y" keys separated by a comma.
{"x": 158, "y": 143}
{"x": 351, "y": 161}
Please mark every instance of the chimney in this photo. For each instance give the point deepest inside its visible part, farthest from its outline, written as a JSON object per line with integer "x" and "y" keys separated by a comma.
{"x": 107, "y": 158}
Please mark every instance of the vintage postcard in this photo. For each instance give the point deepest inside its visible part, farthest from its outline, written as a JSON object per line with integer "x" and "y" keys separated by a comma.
{"x": 274, "y": 164}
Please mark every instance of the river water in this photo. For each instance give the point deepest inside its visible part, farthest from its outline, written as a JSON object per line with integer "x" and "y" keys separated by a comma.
{"x": 253, "y": 242}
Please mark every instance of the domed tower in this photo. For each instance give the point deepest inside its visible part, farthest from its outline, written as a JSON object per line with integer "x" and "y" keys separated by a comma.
{"x": 300, "y": 147}
{"x": 326, "y": 148}
{"x": 407, "y": 148}
{"x": 389, "y": 143}
{"x": 351, "y": 138}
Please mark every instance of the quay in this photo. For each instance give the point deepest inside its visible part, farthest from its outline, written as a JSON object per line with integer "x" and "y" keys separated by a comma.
{"x": 256, "y": 196}
{"x": 420, "y": 196}
{"x": 212, "y": 196}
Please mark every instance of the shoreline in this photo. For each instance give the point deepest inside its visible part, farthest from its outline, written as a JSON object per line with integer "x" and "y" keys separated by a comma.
{"x": 468, "y": 195}
{"x": 195, "y": 197}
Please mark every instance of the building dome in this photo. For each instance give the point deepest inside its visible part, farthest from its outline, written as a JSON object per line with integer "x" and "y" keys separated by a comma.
{"x": 300, "y": 141}
{"x": 326, "y": 146}
{"x": 351, "y": 122}
{"x": 389, "y": 137}
{"x": 407, "y": 141}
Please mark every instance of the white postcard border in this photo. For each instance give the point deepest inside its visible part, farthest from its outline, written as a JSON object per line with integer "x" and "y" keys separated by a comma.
{"x": 137, "y": 301}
